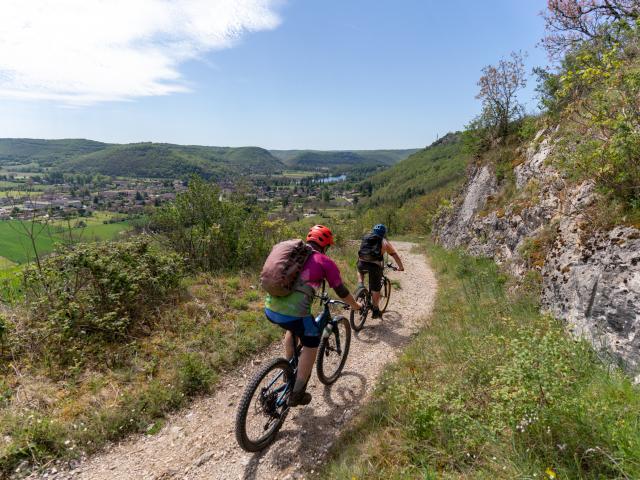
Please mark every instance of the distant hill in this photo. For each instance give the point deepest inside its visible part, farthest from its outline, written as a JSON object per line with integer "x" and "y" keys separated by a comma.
{"x": 314, "y": 159}
{"x": 44, "y": 152}
{"x": 426, "y": 171}
{"x": 162, "y": 160}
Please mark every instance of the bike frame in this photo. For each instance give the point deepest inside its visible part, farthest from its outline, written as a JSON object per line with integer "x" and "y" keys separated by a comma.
{"x": 322, "y": 320}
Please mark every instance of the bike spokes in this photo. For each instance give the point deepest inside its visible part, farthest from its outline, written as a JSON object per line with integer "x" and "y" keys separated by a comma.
{"x": 263, "y": 406}
{"x": 333, "y": 352}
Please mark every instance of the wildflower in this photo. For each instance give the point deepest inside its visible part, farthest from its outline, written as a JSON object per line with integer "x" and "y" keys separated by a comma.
{"x": 550, "y": 473}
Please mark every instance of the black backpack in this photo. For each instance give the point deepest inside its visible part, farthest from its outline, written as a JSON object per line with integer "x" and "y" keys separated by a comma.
{"x": 371, "y": 248}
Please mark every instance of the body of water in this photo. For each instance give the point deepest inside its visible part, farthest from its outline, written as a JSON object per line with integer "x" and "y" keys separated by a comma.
{"x": 337, "y": 178}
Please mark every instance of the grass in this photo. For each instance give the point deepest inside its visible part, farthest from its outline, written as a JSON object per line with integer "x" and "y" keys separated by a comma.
{"x": 16, "y": 247}
{"x": 20, "y": 194}
{"x": 493, "y": 390}
{"x": 120, "y": 388}
{"x": 48, "y": 412}
{"x": 298, "y": 174}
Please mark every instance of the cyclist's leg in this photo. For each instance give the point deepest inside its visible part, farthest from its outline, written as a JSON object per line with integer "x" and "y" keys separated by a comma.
{"x": 292, "y": 325}
{"x": 375, "y": 284}
{"x": 310, "y": 339}
{"x": 363, "y": 267}
{"x": 288, "y": 344}
{"x": 361, "y": 273}
{"x": 305, "y": 364}
{"x": 307, "y": 331}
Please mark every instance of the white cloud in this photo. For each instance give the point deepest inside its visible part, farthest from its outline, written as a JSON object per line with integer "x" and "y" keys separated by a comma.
{"x": 81, "y": 52}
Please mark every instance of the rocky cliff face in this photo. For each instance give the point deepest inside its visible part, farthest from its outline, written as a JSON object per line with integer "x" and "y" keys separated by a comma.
{"x": 589, "y": 279}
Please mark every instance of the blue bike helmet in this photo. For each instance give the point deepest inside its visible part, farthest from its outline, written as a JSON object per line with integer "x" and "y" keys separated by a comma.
{"x": 380, "y": 229}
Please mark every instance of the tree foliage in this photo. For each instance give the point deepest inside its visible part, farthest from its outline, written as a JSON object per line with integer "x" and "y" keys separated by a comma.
{"x": 499, "y": 87}
{"x": 571, "y": 22}
{"x": 215, "y": 233}
{"x": 595, "y": 93}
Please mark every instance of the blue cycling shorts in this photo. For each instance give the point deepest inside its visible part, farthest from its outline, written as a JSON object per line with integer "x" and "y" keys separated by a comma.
{"x": 305, "y": 328}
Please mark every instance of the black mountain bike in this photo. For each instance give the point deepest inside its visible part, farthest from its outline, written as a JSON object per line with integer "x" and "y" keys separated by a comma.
{"x": 264, "y": 404}
{"x": 363, "y": 296}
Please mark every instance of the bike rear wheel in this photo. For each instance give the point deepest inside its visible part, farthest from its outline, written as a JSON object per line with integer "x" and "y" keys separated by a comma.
{"x": 385, "y": 294}
{"x": 333, "y": 351}
{"x": 358, "y": 318}
{"x": 263, "y": 406}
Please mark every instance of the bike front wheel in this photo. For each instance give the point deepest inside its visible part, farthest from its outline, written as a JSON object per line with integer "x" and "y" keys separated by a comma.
{"x": 263, "y": 406}
{"x": 358, "y": 318}
{"x": 385, "y": 295}
{"x": 333, "y": 351}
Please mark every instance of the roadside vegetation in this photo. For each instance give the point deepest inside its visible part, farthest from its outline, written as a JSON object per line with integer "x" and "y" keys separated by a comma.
{"x": 589, "y": 107}
{"x": 493, "y": 389}
{"x": 109, "y": 337}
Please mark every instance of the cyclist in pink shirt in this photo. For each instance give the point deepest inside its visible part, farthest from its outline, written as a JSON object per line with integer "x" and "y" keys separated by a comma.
{"x": 293, "y": 312}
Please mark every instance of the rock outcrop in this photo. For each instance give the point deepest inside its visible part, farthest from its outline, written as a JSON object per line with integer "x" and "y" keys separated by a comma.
{"x": 590, "y": 279}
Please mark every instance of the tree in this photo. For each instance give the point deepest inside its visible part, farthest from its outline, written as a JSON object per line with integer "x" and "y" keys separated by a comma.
{"x": 570, "y": 22}
{"x": 499, "y": 87}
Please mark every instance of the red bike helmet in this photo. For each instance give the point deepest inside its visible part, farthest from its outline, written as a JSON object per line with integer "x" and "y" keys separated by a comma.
{"x": 320, "y": 235}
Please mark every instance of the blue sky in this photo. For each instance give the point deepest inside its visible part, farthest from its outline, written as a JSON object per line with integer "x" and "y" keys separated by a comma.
{"x": 330, "y": 74}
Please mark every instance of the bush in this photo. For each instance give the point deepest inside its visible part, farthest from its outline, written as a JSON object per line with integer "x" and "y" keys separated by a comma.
{"x": 216, "y": 234}
{"x": 597, "y": 91}
{"x": 103, "y": 290}
{"x": 196, "y": 376}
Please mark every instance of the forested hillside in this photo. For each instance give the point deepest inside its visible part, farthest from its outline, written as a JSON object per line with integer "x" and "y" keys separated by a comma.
{"x": 45, "y": 152}
{"x": 164, "y": 160}
{"x": 312, "y": 159}
{"x": 171, "y": 161}
{"x": 407, "y": 195}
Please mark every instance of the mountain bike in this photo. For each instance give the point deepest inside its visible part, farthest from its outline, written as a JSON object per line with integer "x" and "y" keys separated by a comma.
{"x": 363, "y": 296}
{"x": 264, "y": 406}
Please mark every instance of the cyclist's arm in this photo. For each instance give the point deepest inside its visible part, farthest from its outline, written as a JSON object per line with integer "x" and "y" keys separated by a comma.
{"x": 392, "y": 251}
{"x": 345, "y": 296}
{"x": 396, "y": 257}
{"x": 332, "y": 274}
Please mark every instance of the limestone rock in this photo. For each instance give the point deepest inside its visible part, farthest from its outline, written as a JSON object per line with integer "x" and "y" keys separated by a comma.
{"x": 590, "y": 280}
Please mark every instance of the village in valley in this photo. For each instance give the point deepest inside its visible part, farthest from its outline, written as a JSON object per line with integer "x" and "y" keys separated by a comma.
{"x": 34, "y": 196}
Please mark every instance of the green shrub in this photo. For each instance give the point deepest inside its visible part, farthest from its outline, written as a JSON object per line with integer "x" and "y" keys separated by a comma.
{"x": 597, "y": 90}
{"x": 195, "y": 374}
{"x": 217, "y": 234}
{"x": 528, "y": 128}
{"x": 100, "y": 289}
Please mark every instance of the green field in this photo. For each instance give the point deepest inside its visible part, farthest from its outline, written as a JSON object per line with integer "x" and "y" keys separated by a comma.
{"x": 17, "y": 194}
{"x": 298, "y": 174}
{"x": 16, "y": 246}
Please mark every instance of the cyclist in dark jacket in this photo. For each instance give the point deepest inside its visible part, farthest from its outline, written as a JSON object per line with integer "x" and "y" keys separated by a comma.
{"x": 371, "y": 260}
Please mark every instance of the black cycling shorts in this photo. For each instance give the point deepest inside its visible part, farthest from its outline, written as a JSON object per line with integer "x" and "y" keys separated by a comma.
{"x": 375, "y": 274}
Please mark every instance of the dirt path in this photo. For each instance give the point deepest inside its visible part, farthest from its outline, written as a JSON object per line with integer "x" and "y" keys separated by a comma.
{"x": 199, "y": 443}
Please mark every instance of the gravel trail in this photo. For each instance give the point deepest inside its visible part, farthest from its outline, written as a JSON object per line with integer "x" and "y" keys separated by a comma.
{"x": 199, "y": 442}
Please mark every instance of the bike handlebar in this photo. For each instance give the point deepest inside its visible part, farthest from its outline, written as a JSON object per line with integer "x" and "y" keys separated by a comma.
{"x": 325, "y": 299}
{"x": 392, "y": 267}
